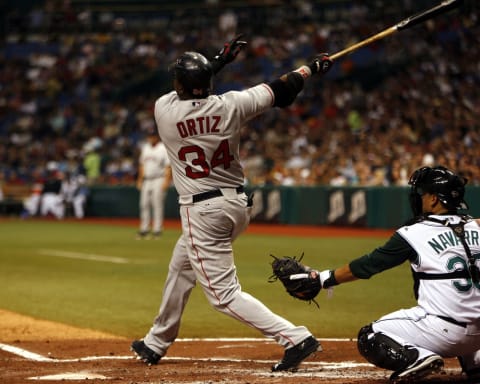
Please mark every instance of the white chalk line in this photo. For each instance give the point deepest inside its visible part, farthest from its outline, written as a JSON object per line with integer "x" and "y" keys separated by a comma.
{"x": 255, "y": 339}
{"x": 336, "y": 369}
{"x": 45, "y": 359}
{"x": 88, "y": 256}
{"x": 325, "y": 370}
{"x": 84, "y": 375}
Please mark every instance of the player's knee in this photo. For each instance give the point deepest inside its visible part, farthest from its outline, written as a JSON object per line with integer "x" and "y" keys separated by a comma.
{"x": 224, "y": 299}
{"x": 384, "y": 352}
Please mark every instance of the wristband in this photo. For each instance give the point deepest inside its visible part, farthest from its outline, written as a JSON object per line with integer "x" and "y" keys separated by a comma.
{"x": 304, "y": 70}
{"x": 327, "y": 279}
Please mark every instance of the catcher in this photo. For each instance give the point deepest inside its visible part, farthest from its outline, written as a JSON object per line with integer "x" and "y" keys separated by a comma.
{"x": 443, "y": 248}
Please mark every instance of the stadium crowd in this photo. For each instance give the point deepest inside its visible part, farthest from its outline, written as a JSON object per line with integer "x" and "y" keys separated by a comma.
{"x": 77, "y": 91}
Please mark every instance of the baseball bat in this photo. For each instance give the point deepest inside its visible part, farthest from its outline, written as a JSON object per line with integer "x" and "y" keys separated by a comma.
{"x": 409, "y": 22}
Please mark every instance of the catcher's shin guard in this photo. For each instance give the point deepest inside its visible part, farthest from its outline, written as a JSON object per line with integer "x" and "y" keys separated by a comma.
{"x": 384, "y": 352}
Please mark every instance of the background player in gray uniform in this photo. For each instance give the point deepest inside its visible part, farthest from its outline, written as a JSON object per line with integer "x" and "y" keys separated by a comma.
{"x": 443, "y": 248}
{"x": 202, "y": 135}
{"x": 154, "y": 178}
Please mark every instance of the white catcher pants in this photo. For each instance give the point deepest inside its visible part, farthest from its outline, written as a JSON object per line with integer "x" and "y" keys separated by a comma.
{"x": 52, "y": 203}
{"x": 204, "y": 254}
{"x": 430, "y": 334}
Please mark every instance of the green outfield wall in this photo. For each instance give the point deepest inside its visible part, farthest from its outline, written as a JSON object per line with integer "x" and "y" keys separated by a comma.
{"x": 369, "y": 207}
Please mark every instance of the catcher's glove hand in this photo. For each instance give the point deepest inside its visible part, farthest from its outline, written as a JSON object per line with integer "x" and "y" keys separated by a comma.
{"x": 298, "y": 279}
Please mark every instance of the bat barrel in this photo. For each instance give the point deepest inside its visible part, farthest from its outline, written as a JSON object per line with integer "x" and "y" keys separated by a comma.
{"x": 443, "y": 7}
{"x": 409, "y": 22}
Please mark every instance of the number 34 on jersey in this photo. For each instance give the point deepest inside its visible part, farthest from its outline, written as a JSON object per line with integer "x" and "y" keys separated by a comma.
{"x": 201, "y": 165}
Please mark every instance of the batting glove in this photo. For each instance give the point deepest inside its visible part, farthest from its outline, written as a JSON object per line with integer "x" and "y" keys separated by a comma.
{"x": 320, "y": 64}
{"x": 228, "y": 53}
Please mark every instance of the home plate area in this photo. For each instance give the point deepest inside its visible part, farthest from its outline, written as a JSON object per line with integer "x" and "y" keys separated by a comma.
{"x": 192, "y": 361}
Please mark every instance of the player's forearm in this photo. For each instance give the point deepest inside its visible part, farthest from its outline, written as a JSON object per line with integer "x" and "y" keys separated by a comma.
{"x": 140, "y": 177}
{"x": 168, "y": 178}
{"x": 287, "y": 87}
{"x": 168, "y": 174}
{"x": 344, "y": 274}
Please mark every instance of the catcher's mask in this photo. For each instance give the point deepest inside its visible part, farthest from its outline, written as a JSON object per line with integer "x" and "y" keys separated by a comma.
{"x": 194, "y": 72}
{"x": 440, "y": 181}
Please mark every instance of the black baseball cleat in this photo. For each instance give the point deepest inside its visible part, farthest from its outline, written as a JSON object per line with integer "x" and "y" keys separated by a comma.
{"x": 142, "y": 235}
{"x": 144, "y": 353}
{"x": 418, "y": 369}
{"x": 473, "y": 374}
{"x": 295, "y": 355}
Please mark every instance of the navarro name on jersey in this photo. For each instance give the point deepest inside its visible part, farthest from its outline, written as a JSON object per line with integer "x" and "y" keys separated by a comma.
{"x": 449, "y": 239}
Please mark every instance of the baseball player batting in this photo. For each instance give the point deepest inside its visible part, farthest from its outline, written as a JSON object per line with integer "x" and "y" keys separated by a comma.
{"x": 443, "y": 248}
{"x": 201, "y": 132}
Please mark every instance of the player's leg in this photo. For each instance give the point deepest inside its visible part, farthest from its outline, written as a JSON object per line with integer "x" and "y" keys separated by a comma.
{"x": 58, "y": 208}
{"x": 176, "y": 291}
{"x": 46, "y": 204}
{"x": 158, "y": 200}
{"x": 79, "y": 206}
{"x": 470, "y": 364}
{"x": 429, "y": 332}
{"x": 209, "y": 228}
{"x": 470, "y": 356}
{"x": 144, "y": 207}
{"x": 418, "y": 339}
{"x": 384, "y": 351}
{"x": 31, "y": 205}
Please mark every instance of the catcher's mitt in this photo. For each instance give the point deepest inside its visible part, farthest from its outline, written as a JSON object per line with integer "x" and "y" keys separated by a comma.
{"x": 295, "y": 277}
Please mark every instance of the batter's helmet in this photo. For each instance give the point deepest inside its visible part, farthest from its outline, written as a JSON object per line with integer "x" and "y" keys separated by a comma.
{"x": 440, "y": 181}
{"x": 194, "y": 72}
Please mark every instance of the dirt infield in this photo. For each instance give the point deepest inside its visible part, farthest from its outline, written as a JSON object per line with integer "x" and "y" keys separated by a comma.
{"x": 37, "y": 350}
{"x": 34, "y": 350}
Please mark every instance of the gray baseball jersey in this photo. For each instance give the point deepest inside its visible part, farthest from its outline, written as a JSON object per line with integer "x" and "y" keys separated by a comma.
{"x": 202, "y": 136}
{"x": 154, "y": 159}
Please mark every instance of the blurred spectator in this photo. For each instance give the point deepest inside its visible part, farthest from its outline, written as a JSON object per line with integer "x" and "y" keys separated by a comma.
{"x": 92, "y": 162}
{"x": 75, "y": 192}
{"x": 77, "y": 82}
{"x": 32, "y": 203}
{"x": 2, "y": 182}
{"x": 52, "y": 200}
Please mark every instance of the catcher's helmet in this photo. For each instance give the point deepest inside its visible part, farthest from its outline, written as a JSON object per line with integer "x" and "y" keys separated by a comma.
{"x": 440, "y": 181}
{"x": 194, "y": 72}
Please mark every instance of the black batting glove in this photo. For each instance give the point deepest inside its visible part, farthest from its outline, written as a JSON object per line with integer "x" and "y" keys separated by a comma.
{"x": 231, "y": 49}
{"x": 320, "y": 64}
{"x": 228, "y": 53}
